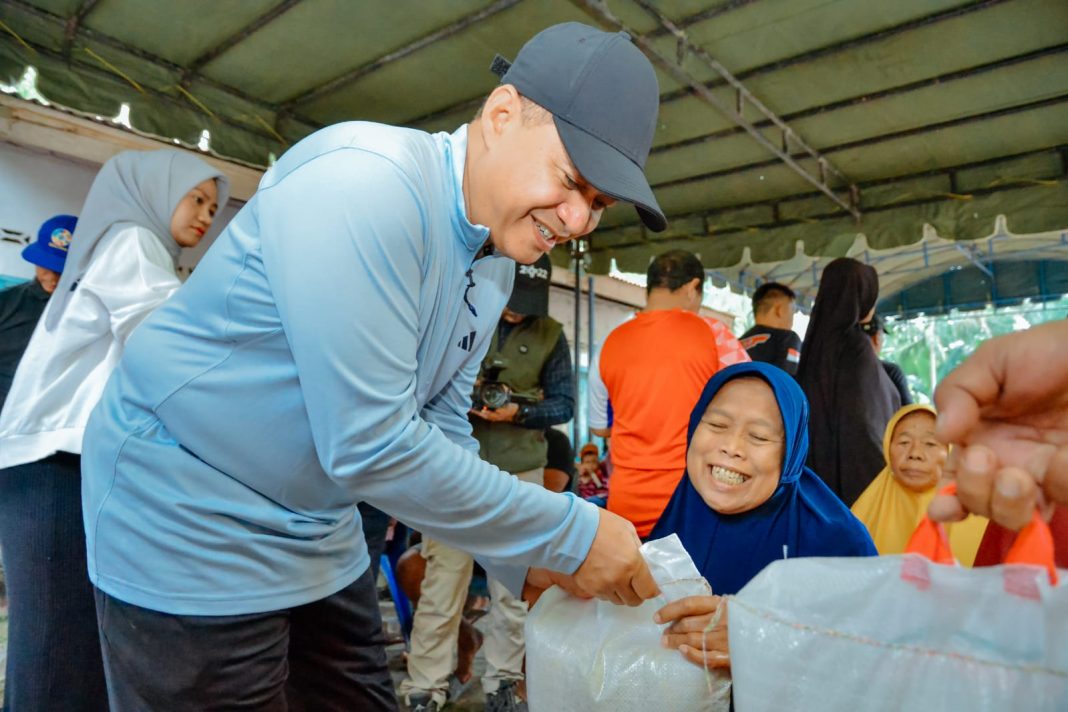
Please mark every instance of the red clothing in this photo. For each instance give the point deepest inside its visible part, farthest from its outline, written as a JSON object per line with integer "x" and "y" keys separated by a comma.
{"x": 998, "y": 540}
{"x": 591, "y": 488}
{"x": 654, "y": 368}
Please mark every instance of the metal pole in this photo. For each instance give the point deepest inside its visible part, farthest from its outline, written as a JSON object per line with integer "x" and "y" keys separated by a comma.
{"x": 600, "y": 10}
{"x": 590, "y": 321}
{"x": 591, "y": 336}
{"x": 577, "y": 253}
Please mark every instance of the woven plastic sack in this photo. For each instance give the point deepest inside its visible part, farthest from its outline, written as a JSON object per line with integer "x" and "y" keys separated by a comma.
{"x": 900, "y": 633}
{"x": 594, "y": 655}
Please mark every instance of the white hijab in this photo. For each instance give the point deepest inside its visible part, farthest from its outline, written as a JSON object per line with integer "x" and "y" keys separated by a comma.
{"x": 140, "y": 187}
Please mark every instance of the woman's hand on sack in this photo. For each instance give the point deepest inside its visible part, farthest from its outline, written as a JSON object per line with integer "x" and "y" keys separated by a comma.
{"x": 690, "y": 618}
{"x": 1006, "y": 408}
{"x": 614, "y": 569}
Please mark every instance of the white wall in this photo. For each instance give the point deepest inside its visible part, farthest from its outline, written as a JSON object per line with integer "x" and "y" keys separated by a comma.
{"x": 35, "y": 185}
{"x": 607, "y": 316}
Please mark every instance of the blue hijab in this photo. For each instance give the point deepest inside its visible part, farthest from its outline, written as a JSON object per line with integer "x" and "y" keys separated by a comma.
{"x": 803, "y": 514}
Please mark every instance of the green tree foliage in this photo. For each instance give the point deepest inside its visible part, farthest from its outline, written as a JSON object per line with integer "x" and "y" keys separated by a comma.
{"x": 927, "y": 348}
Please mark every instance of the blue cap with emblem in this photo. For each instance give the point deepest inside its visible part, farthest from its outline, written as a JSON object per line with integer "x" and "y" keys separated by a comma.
{"x": 53, "y": 241}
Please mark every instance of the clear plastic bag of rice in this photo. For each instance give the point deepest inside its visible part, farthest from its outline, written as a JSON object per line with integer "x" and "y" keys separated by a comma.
{"x": 594, "y": 655}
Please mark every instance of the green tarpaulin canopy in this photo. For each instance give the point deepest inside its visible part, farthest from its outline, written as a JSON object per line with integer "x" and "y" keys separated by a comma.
{"x": 945, "y": 113}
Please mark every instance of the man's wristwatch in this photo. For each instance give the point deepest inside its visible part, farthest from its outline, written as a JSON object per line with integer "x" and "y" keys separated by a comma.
{"x": 521, "y": 414}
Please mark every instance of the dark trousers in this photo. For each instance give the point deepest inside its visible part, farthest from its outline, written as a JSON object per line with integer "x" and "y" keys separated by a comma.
{"x": 53, "y": 649}
{"x": 375, "y": 524}
{"x": 322, "y": 656}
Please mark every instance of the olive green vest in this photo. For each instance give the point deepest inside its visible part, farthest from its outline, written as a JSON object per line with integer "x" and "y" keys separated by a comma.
{"x": 527, "y": 347}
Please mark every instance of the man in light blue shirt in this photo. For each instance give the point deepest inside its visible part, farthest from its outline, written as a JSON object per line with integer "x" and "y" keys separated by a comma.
{"x": 323, "y": 353}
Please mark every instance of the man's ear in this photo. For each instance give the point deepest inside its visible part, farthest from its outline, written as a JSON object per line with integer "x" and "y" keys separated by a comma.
{"x": 696, "y": 286}
{"x": 502, "y": 110}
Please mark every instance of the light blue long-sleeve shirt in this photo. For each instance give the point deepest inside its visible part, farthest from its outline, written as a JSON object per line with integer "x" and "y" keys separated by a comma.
{"x": 322, "y": 353}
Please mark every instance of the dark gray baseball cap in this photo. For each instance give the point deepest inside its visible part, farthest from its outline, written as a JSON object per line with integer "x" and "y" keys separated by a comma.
{"x": 604, "y": 98}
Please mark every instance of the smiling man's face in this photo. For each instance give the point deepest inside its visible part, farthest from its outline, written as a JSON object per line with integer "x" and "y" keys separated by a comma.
{"x": 47, "y": 279}
{"x": 527, "y": 191}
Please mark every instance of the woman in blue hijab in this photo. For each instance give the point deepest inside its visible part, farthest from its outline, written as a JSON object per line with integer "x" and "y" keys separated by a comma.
{"x": 747, "y": 498}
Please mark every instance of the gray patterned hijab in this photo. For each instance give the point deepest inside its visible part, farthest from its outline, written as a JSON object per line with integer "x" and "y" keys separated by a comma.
{"x": 140, "y": 187}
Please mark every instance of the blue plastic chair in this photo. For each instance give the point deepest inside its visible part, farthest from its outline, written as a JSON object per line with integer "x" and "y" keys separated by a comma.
{"x": 400, "y": 601}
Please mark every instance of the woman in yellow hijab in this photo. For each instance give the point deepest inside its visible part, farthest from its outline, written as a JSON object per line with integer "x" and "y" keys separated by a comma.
{"x": 896, "y": 500}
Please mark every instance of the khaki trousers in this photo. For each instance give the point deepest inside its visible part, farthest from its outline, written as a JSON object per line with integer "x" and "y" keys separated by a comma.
{"x": 432, "y": 658}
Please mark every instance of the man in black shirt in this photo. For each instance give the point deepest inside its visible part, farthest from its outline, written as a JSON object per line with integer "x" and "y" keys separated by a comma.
{"x": 772, "y": 339}
{"x": 22, "y": 305}
{"x": 876, "y": 330}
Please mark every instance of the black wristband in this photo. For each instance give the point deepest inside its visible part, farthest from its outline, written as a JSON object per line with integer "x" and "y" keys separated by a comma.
{"x": 521, "y": 414}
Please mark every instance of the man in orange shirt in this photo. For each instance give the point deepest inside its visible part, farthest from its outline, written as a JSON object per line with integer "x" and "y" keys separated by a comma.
{"x": 652, "y": 370}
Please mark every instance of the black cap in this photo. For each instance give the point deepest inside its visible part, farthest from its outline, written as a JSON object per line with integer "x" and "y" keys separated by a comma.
{"x": 874, "y": 326}
{"x": 604, "y": 98}
{"x": 530, "y": 295}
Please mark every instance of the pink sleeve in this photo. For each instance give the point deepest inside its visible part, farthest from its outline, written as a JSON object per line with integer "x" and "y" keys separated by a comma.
{"x": 730, "y": 350}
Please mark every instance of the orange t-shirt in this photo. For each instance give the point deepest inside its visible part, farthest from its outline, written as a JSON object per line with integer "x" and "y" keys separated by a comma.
{"x": 654, "y": 368}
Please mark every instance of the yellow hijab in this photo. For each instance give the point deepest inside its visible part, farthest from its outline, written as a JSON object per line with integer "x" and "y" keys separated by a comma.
{"x": 892, "y": 511}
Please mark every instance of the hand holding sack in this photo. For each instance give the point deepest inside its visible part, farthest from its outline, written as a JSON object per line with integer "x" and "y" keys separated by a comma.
{"x": 593, "y": 655}
{"x": 904, "y": 632}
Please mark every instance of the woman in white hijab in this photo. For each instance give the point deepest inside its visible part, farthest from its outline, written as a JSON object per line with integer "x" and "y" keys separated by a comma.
{"x": 143, "y": 207}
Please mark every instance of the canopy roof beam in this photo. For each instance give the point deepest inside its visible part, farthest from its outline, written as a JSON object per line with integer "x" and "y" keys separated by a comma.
{"x": 744, "y": 97}
{"x": 137, "y": 52}
{"x": 950, "y": 172}
{"x": 1007, "y": 111}
{"x": 235, "y": 39}
{"x": 75, "y": 21}
{"x": 438, "y": 35}
{"x": 852, "y": 43}
{"x": 465, "y": 106}
{"x": 939, "y": 80}
{"x": 881, "y": 138}
{"x": 969, "y": 253}
{"x": 702, "y": 16}
{"x": 149, "y": 90}
{"x": 827, "y": 50}
{"x": 60, "y": 133}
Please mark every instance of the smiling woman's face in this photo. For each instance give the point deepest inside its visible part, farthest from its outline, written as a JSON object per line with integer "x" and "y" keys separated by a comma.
{"x": 916, "y": 456}
{"x": 735, "y": 455}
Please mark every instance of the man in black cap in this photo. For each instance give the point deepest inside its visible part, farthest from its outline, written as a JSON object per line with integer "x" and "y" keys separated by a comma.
{"x": 875, "y": 328}
{"x": 525, "y": 386}
{"x": 22, "y": 305}
{"x": 254, "y": 410}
